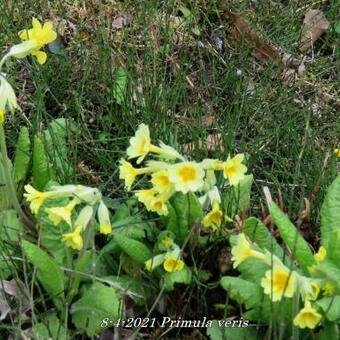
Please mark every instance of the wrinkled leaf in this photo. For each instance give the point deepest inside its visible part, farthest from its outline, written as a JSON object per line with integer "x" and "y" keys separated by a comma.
{"x": 331, "y": 307}
{"x": 97, "y": 303}
{"x": 184, "y": 276}
{"x": 22, "y": 155}
{"x": 119, "y": 85}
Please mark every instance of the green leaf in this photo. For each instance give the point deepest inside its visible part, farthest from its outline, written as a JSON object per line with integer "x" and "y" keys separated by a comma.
{"x": 119, "y": 86}
{"x": 137, "y": 250}
{"x": 237, "y": 198}
{"x": 330, "y": 330}
{"x": 56, "y": 146}
{"x": 97, "y": 303}
{"x": 22, "y": 156}
{"x": 5, "y": 202}
{"x": 245, "y": 292}
{"x": 333, "y": 250}
{"x": 48, "y": 271}
{"x": 331, "y": 307}
{"x": 330, "y": 212}
{"x": 41, "y": 168}
{"x": 258, "y": 233}
{"x": 224, "y": 332}
{"x": 49, "y": 329}
{"x": 10, "y": 225}
{"x": 183, "y": 276}
{"x": 184, "y": 210}
{"x": 296, "y": 243}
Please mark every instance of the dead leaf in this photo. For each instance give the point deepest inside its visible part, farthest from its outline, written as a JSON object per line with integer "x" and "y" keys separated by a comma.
{"x": 314, "y": 25}
{"x": 241, "y": 32}
{"x": 120, "y": 21}
{"x": 212, "y": 143}
{"x": 8, "y": 289}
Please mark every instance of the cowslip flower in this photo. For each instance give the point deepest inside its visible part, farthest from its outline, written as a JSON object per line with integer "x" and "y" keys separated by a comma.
{"x": 173, "y": 264}
{"x": 337, "y": 152}
{"x": 329, "y": 288}
{"x": 159, "y": 205}
{"x": 242, "y": 251}
{"x": 58, "y": 214}
{"x": 128, "y": 173}
{"x": 154, "y": 262}
{"x": 140, "y": 144}
{"x": 308, "y": 288}
{"x": 234, "y": 170}
{"x": 186, "y": 176}
{"x": 35, "y": 197}
{"x": 74, "y": 239}
{"x": 307, "y": 317}
{"x": 7, "y": 98}
{"x": 161, "y": 181}
{"x": 34, "y": 40}
{"x": 214, "y": 218}
{"x": 83, "y": 218}
{"x": 145, "y": 196}
{"x": 105, "y": 226}
{"x": 279, "y": 282}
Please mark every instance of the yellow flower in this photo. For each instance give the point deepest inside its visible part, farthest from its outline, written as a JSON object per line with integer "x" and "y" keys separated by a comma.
{"x": 57, "y": 214}
{"x": 35, "y": 197}
{"x": 329, "y": 288}
{"x": 146, "y": 196}
{"x": 160, "y": 181}
{"x": 234, "y": 170}
{"x": 243, "y": 251}
{"x": 84, "y": 217}
{"x": 307, "y": 317}
{"x": 167, "y": 242}
{"x": 279, "y": 282}
{"x": 128, "y": 173}
{"x": 74, "y": 239}
{"x": 320, "y": 255}
{"x": 214, "y": 218}
{"x": 104, "y": 219}
{"x": 186, "y": 176}
{"x": 140, "y": 144}
{"x": 34, "y": 39}
{"x": 337, "y": 152}
{"x": 158, "y": 205}
{"x": 154, "y": 262}
{"x": 173, "y": 264}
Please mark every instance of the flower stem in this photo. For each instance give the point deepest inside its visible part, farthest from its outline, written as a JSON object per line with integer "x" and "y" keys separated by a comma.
{"x": 9, "y": 180}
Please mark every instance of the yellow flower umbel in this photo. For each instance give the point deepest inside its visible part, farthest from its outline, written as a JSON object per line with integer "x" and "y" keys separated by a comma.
{"x": 173, "y": 264}
{"x": 279, "y": 282}
{"x": 234, "y": 170}
{"x": 243, "y": 251}
{"x": 186, "y": 176}
{"x": 58, "y": 214}
{"x": 34, "y": 39}
{"x": 74, "y": 239}
{"x": 128, "y": 173}
{"x": 35, "y": 197}
{"x": 307, "y": 317}
{"x": 337, "y": 152}
{"x": 214, "y": 218}
{"x": 104, "y": 219}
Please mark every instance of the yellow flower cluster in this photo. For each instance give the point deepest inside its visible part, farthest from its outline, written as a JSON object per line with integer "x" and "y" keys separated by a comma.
{"x": 171, "y": 259}
{"x": 78, "y": 195}
{"x": 172, "y": 173}
{"x": 280, "y": 281}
